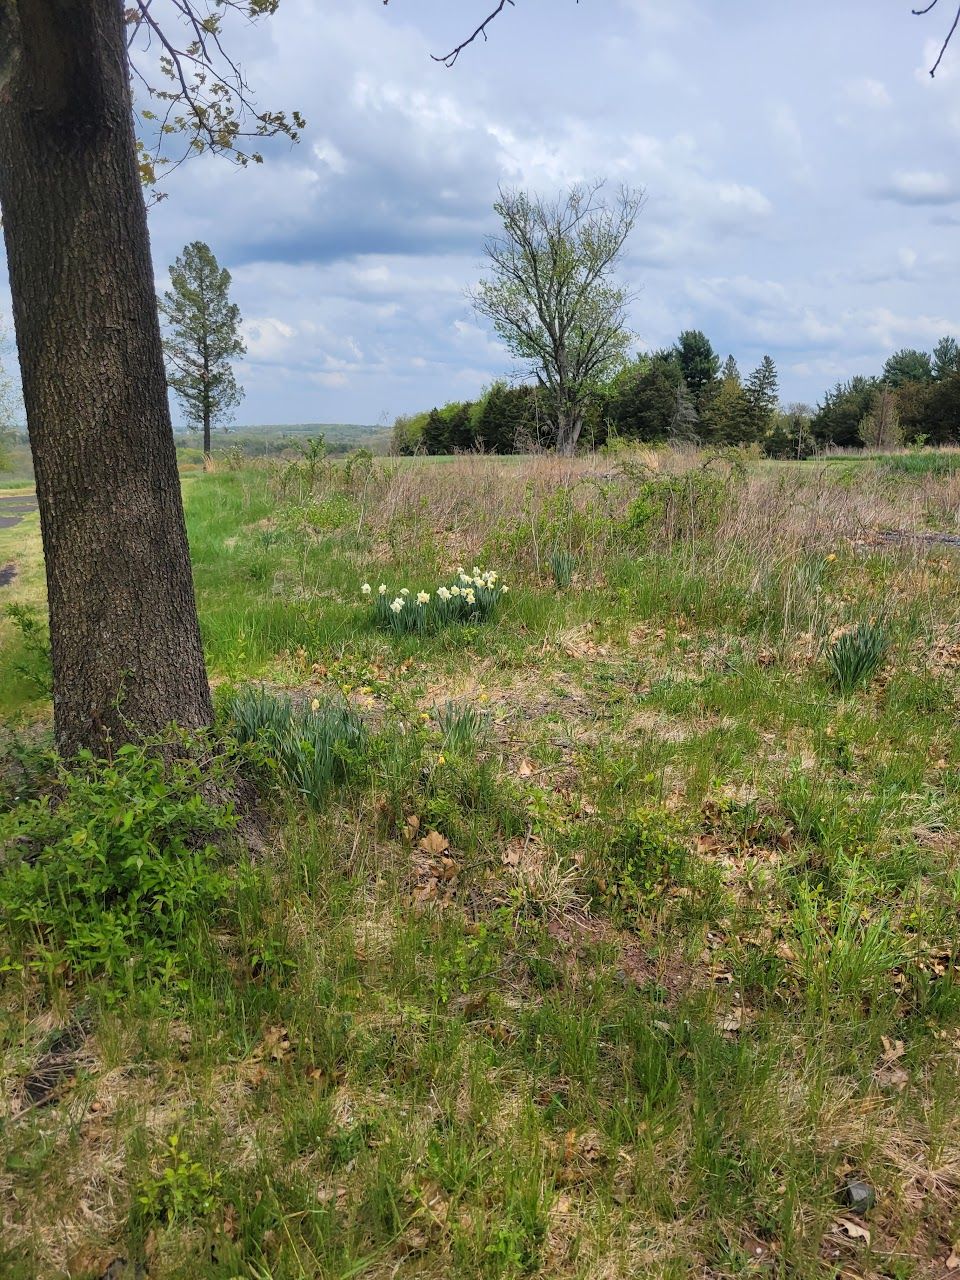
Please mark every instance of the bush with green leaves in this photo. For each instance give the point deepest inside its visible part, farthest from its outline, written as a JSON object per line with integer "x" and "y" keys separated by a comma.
{"x": 312, "y": 745}
{"x": 116, "y": 872}
{"x": 185, "y": 1191}
{"x": 677, "y": 508}
{"x": 857, "y": 655}
{"x": 471, "y": 598}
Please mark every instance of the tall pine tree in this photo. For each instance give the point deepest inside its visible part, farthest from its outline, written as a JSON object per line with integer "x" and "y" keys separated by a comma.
{"x": 762, "y": 393}
{"x": 699, "y": 364}
{"x": 202, "y": 338}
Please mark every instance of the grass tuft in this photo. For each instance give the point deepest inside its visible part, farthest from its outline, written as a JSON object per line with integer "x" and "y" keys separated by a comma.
{"x": 857, "y": 655}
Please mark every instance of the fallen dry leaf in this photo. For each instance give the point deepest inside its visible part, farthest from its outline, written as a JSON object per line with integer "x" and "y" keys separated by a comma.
{"x": 730, "y": 1021}
{"x": 892, "y": 1049}
{"x": 513, "y": 852}
{"x": 276, "y": 1044}
{"x": 953, "y": 1262}
{"x": 892, "y": 1077}
{"x": 434, "y": 843}
{"x": 852, "y": 1229}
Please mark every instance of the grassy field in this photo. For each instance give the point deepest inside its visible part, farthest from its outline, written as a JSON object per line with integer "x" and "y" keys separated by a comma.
{"x": 615, "y": 937}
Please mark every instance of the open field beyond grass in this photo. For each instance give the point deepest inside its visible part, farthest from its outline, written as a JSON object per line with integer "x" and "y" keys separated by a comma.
{"x": 613, "y": 940}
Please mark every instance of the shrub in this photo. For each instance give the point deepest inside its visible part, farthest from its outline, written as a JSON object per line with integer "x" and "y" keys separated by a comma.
{"x": 118, "y": 874}
{"x": 677, "y": 507}
{"x": 313, "y": 746}
{"x": 470, "y": 598}
{"x": 856, "y": 655}
{"x": 184, "y": 1192}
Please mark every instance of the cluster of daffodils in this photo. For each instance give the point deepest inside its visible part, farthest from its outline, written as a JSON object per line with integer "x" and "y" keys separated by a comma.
{"x": 472, "y": 597}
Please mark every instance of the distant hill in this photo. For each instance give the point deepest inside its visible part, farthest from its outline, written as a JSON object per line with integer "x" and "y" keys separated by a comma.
{"x": 270, "y": 438}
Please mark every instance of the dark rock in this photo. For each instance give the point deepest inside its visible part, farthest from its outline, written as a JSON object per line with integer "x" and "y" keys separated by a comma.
{"x": 859, "y": 1197}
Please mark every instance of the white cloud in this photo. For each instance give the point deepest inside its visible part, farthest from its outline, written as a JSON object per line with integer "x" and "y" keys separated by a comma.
{"x": 765, "y": 224}
{"x": 922, "y": 186}
{"x": 866, "y": 92}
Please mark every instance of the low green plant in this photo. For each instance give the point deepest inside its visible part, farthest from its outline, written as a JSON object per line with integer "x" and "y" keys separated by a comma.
{"x": 856, "y": 656}
{"x": 562, "y": 565}
{"x": 35, "y": 667}
{"x": 313, "y": 746}
{"x": 462, "y": 725}
{"x": 645, "y": 857}
{"x": 117, "y": 873}
{"x": 184, "y": 1192}
{"x": 677, "y": 507}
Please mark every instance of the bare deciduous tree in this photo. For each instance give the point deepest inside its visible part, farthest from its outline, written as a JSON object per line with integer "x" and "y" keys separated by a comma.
{"x": 551, "y": 294}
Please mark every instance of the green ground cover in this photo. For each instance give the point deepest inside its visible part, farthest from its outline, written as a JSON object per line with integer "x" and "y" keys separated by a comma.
{"x": 614, "y": 936}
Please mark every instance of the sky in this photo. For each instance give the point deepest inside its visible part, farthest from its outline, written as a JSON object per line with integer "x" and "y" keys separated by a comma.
{"x": 800, "y": 170}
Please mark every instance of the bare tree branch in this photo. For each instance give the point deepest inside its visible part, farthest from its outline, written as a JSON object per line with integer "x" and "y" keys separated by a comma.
{"x": 919, "y": 13}
{"x": 448, "y": 59}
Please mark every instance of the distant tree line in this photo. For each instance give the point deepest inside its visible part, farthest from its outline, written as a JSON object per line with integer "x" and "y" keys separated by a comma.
{"x": 684, "y": 393}
{"x": 916, "y": 399}
{"x": 681, "y": 393}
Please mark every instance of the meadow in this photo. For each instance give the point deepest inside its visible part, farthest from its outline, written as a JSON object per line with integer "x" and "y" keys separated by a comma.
{"x": 612, "y": 932}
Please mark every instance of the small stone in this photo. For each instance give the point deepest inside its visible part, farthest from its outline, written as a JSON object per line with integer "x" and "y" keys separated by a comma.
{"x": 859, "y": 1197}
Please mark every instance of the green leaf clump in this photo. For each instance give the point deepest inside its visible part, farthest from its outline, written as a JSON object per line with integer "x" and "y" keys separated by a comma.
{"x": 115, "y": 872}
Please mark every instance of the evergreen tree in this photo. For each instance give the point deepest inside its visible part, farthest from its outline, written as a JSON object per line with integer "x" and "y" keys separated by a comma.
{"x": 946, "y": 358}
{"x": 728, "y": 420}
{"x": 698, "y": 362}
{"x": 202, "y": 337}
{"x": 762, "y": 397}
{"x": 907, "y": 365}
{"x": 457, "y": 417}
{"x": 503, "y": 417}
{"x": 643, "y": 397}
{"x": 730, "y": 371}
{"x": 435, "y": 438}
{"x": 837, "y": 420}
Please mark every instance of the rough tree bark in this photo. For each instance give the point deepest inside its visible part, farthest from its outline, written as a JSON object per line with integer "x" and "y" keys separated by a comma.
{"x": 127, "y": 657}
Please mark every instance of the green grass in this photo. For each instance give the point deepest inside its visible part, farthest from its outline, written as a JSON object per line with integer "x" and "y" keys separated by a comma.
{"x": 614, "y": 943}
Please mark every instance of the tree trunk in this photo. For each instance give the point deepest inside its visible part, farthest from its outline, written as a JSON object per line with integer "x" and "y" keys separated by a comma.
{"x": 127, "y": 657}
{"x": 569, "y": 426}
{"x": 206, "y": 432}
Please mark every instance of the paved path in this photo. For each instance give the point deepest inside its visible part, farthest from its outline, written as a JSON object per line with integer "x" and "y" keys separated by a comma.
{"x": 14, "y": 506}
{"x": 933, "y": 539}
